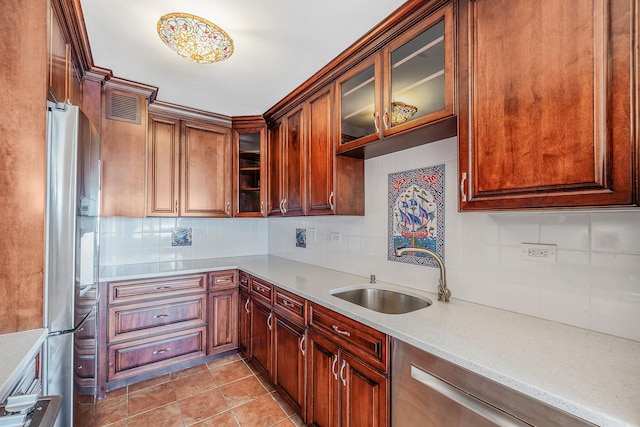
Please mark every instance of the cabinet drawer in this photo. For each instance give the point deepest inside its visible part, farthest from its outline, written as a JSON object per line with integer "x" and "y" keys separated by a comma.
{"x": 243, "y": 281}
{"x": 262, "y": 290}
{"x": 222, "y": 280}
{"x": 132, "y": 358}
{"x": 367, "y": 343}
{"x": 136, "y": 320}
{"x": 123, "y": 292}
{"x": 290, "y": 305}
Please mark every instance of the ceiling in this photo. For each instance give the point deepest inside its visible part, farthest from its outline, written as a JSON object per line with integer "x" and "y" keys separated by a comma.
{"x": 279, "y": 44}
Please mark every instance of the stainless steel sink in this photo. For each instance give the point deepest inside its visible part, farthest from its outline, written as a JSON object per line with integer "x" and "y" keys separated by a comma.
{"x": 382, "y": 300}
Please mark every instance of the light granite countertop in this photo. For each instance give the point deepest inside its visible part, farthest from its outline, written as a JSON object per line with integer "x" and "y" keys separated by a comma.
{"x": 588, "y": 374}
{"x": 16, "y": 350}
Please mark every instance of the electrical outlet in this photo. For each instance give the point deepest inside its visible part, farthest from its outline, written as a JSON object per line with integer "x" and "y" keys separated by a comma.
{"x": 539, "y": 252}
{"x": 336, "y": 237}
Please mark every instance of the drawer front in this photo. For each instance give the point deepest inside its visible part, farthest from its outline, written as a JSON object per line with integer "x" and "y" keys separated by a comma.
{"x": 124, "y": 292}
{"x": 137, "y": 320}
{"x": 367, "y": 343}
{"x": 290, "y": 305}
{"x": 133, "y": 358}
{"x": 222, "y": 279}
{"x": 262, "y": 290}
{"x": 243, "y": 281}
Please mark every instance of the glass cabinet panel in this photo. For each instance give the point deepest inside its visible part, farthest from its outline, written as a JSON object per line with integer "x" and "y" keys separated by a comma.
{"x": 358, "y": 105}
{"x": 249, "y": 172}
{"x": 418, "y": 76}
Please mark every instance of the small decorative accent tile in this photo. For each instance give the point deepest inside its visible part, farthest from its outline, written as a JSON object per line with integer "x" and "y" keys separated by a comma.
{"x": 416, "y": 213}
{"x": 181, "y": 236}
{"x": 301, "y": 237}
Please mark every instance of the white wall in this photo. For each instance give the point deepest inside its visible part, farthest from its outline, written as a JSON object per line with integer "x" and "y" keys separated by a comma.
{"x": 142, "y": 240}
{"x": 595, "y": 284}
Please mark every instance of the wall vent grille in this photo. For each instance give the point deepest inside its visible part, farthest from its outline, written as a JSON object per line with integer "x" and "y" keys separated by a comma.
{"x": 123, "y": 107}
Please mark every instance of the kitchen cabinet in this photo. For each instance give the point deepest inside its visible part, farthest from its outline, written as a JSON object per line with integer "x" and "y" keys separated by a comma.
{"x": 123, "y": 137}
{"x": 347, "y": 371}
{"x": 261, "y": 334}
{"x": 244, "y": 323}
{"x": 189, "y": 166}
{"x": 63, "y": 74}
{"x": 150, "y": 325}
{"x": 287, "y": 161}
{"x": 547, "y": 104}
{"x": 342, "y": 390}
{"x": 222, "y": 311}
{"x": 250, "y": 167}
{"x": 334, "y": 185}
{"x": 407, "y": 84}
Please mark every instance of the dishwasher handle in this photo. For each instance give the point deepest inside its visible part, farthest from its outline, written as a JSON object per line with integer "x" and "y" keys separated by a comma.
{"x": 480, "y": 408}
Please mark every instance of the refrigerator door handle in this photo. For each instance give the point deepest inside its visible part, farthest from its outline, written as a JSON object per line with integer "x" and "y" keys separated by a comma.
{"x": 74, "y": 330}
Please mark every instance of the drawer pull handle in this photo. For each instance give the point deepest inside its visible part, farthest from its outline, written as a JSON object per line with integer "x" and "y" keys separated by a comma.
{"x": 269, "y": 321}
{"x": 302, "y": 343}
{"x": 246, "y": 306}
{"x": 337, "y": 329}
{"x": 344, "y": 380}
{"x": 463, "y": 194}
{"x": 333, "y": 366}
{"x": 288, "y": 304}
{"x": 160, "y": 288}
{"x": 161, "y": 351}
{"x": 160, "y": 316}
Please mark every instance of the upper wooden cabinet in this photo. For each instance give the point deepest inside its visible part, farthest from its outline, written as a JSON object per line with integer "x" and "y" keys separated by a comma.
{"x": 287, "y": 165}
{"x": 189, "y": 167}
{"x": 548, "y": 93}
{"x": 250, "y": 167}
{"x": 408, "y": 84}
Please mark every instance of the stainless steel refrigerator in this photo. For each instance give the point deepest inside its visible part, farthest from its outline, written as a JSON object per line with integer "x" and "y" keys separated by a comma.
{"x": 72, "y": 254}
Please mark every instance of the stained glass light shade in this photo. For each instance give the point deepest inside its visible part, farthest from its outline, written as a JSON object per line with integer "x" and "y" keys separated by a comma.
{"x": 195, "y": 38}
{"x": 401, "y": 112}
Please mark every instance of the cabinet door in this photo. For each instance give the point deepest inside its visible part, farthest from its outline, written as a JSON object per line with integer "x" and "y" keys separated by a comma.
{"x": 364, "y": 394}
{"x": 205, "y": 170}
{"x": 358, "y": 103}
{"x": 289, "y": 361}
{"x": 293, "y": 182}
{"x": 320, "y": 157}
{"x": 244, "y": 324}
{"x": 223, "y": 321}
{"x": 419, "y": 74}
{"x": 322, "y": 382}
{"x": 250, "y": 172}
{"x": 163, "y": 163}
{"x": 261, "y": 326}
{"x": 275, "y": 173}
{"x": 545, "y": 115}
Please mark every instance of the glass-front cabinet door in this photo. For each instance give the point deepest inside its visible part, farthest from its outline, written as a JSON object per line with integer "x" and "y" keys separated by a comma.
{"x": 250, "y": 183}
{"x": 419, "y": 74}
{"x": 359, "y": 105}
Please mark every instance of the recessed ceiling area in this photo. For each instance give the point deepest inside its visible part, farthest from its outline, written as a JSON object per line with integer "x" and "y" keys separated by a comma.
{"x": 278, "y": 45}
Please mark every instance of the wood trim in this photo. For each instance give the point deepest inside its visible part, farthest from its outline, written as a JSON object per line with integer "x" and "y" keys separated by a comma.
{"x": 166, "y": 108}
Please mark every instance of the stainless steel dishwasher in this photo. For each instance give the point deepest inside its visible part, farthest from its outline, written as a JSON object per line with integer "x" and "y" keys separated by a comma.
{"x": 429, "y": 391}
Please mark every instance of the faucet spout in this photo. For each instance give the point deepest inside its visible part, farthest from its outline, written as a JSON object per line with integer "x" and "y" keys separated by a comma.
{"x": 443, "y": 292}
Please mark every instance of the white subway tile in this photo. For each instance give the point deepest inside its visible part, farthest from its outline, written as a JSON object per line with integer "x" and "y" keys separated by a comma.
{"x": 568, "y": 231}
{"x": 616, "y": 232}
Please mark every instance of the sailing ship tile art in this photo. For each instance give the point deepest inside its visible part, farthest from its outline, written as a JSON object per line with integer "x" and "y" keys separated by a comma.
{"x": 416, "y": 213}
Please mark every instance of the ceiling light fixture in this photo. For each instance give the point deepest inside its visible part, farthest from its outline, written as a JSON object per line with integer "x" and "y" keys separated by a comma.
{"x": 195, "y": 38}
{"x": 401, "y": 112}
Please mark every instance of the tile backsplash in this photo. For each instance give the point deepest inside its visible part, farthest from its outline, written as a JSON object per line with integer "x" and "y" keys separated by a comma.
{"x": 595, "y": 283}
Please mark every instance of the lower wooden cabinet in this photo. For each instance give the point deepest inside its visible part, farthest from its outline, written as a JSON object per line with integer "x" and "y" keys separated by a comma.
{"x": 244, "y": 324}
{"x": 261, "y": 327}
{"x": 223, "y": 321}
{"x": 289, "y": 360}
{"x": 136, "y": 357}
{"x": 342, "y": 390}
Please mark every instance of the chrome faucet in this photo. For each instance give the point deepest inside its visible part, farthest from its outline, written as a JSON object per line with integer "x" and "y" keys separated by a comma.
{"x": 443, "y": 292}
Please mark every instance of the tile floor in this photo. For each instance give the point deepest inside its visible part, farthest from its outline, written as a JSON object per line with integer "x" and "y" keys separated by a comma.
{"x": 225, "y": 392}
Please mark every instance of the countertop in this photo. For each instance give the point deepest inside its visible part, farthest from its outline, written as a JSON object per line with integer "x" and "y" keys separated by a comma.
{"x": 16, "y": 350}
{"x": 589, "y": 374}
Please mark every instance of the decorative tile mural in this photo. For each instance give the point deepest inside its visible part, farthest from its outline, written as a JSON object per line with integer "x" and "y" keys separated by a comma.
{"x": 416, "y": 213}
{"x": 301, "y": 237}
{"x": 181, "y": 236}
